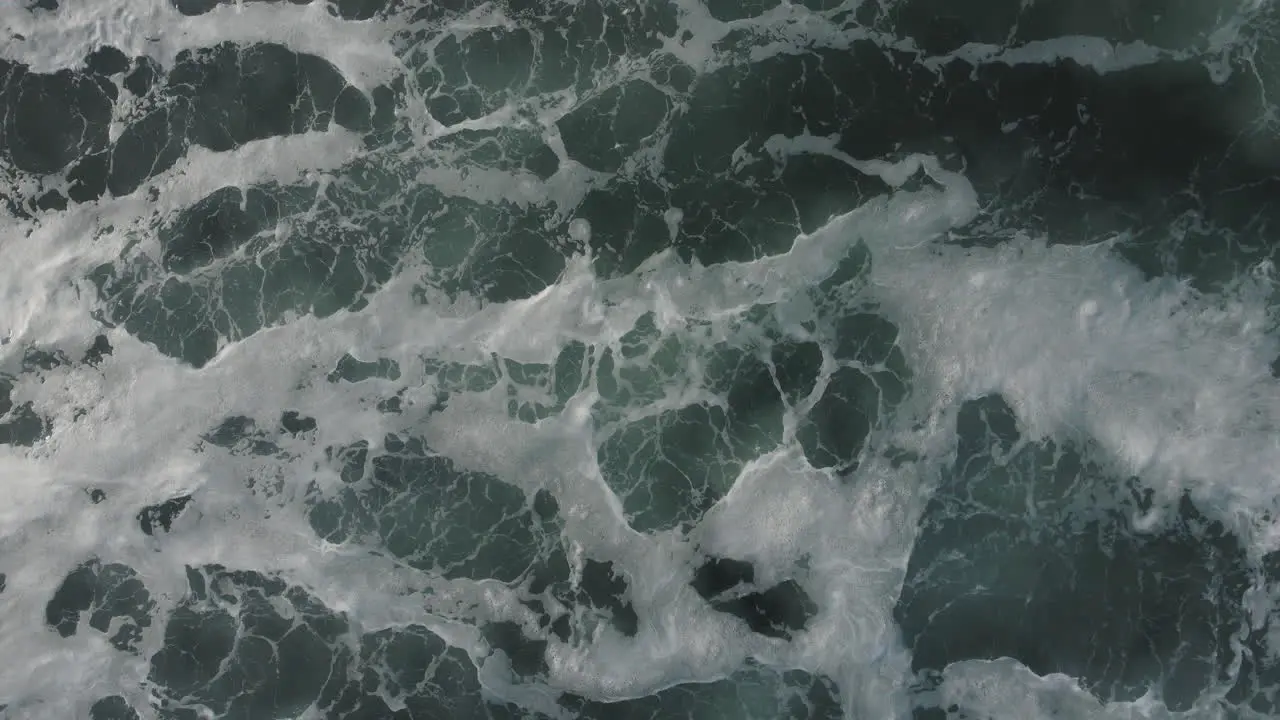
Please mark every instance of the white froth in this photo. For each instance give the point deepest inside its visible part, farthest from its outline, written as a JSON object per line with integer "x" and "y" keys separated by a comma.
{"x": 154, "y": 28}
{"x": 1096, "y": 53}
{"x": 673, "y": 217}
{"x": 1050, "y": 327}
{"x": 580, "y": 231}
{"x": 1006, "y": 689}
{"x": 855, "y": 542}
{"x": 42, "y": 300}
{"x": 1173, "y": 385}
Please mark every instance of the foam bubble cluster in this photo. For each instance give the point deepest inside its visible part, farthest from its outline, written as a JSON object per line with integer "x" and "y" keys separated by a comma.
{"x": 665, "y": 359}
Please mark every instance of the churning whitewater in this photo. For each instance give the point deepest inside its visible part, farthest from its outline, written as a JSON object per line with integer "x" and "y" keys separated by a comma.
{"x": 648, "y": 359}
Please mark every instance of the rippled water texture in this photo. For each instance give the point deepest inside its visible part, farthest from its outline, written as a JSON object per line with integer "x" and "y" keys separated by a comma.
{"x": 648, "y": 359}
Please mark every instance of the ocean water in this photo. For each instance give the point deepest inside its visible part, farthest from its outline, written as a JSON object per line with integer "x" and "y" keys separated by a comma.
{"x": 642, "y": 359}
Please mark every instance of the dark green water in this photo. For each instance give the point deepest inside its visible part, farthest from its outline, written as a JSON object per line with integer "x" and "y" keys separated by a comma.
{"x": 665, "y": 359}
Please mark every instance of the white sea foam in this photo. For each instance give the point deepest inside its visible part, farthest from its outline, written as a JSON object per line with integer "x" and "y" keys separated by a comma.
{"x": 1092, "y": 52}
{"x": 973, "y": 321}
{"x": 51, "y": 41}
{"x": 1172, "y": 384}
{"x": 1175, "y": 386}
